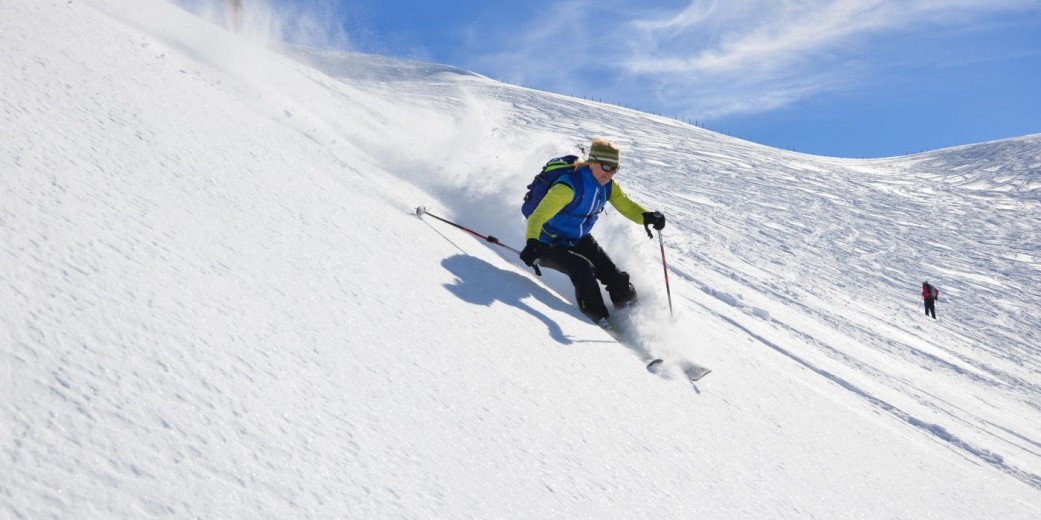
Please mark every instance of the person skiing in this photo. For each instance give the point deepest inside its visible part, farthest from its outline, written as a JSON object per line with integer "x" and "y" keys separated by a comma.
{"x": 930, "y": 294}
{"x": 234, "y": 8}
{"x": 558, "y": 229}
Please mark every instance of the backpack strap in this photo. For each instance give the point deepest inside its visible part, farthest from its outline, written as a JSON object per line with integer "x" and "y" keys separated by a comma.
{"x": 559, "y": 162}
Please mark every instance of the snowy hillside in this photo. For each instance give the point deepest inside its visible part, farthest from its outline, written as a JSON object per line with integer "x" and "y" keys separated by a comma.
{"x": 217, "y": 300}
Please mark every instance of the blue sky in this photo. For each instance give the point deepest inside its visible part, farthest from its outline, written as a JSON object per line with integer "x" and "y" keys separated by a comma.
{"x": 847, "y": 78}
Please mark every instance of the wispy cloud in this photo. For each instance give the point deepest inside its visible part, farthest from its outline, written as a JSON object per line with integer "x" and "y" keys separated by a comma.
{"x": 717, "y": 57}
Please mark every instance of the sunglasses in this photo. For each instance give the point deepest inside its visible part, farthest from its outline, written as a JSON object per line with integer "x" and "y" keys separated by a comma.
{"x": 608, "y": 168}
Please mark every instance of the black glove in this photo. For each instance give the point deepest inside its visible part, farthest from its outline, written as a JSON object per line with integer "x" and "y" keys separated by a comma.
{"x": 654, "y": 218}
{"x": 531, "y": 251}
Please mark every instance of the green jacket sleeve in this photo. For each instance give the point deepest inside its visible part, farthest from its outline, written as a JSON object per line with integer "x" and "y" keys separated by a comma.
{"x": 625, "y": 205}
{"x": 556, "y": 198}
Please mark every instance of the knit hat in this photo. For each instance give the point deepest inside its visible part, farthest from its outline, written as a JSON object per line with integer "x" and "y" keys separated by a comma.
{"x": 604, "y": 152}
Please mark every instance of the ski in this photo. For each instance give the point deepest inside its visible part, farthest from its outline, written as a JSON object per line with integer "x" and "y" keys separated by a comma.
{"x": 671, "y": 369}
{"x": 691, "y": 370}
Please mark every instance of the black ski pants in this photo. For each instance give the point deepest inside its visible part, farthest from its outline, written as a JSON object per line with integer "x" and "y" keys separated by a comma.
{"x": 930, "y": 307}
{"x": 585, "y": 263}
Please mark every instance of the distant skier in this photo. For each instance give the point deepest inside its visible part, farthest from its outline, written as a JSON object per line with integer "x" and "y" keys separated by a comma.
{"x": 558, "y": 229}
{"x": 930, "y": 294}
{"x": 234, "y": 13}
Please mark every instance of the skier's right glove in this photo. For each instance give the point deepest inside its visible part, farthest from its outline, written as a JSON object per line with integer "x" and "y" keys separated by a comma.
{"x": 532, "y": 251}
{"x": 654, "y": 218}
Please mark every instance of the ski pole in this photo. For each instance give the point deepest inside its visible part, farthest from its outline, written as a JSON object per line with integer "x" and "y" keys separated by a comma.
{"x": 666, "y": 269}
{"x": 647, "y": 228}
{"x": 420, "y": 211}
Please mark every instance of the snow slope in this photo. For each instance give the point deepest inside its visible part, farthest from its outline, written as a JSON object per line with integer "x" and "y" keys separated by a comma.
{"x": 216, "y": 300}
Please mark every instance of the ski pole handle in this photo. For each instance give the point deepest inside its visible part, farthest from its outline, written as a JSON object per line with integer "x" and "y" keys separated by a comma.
{"x": 535, "y": 266}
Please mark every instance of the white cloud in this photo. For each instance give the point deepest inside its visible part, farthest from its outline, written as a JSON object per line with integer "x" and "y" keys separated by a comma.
{"x": 717, "y": 57}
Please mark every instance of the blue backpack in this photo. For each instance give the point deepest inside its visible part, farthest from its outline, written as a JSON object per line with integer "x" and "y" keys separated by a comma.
{"x": 544, "y": 180}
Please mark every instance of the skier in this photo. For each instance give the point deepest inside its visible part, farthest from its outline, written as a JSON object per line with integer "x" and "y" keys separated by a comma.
{"x": 558, "y": 231}
{"x": 930, "y": 294}
{"x": 234, "y": 8}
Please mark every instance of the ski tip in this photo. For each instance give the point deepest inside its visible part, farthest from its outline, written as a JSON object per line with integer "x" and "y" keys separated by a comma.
{"x": 655, "y": 365}
{"x": 692, "y": 371}
{"x": 695, "y": 374}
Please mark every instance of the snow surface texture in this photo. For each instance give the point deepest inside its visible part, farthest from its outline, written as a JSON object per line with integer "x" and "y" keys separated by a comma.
{"x": 217, "y": 301}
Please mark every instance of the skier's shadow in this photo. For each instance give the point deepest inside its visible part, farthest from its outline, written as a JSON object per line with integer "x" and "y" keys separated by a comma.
{"x": 481, "y": 283}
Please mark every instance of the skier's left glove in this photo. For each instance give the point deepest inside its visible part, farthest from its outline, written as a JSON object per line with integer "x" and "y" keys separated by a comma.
{"x": 654, "y": 218}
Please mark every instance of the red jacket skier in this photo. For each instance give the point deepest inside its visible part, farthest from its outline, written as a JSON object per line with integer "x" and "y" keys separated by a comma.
{"x": 930, "y": 294}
